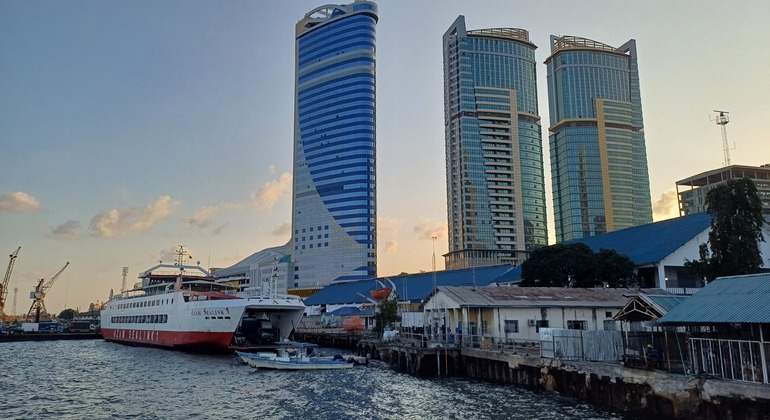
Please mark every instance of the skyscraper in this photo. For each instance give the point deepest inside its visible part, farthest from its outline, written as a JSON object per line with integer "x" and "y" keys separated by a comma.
{"x": 598, "y": 155}
{"x": 494, "y": 154}
{"x": 334, "y": 192}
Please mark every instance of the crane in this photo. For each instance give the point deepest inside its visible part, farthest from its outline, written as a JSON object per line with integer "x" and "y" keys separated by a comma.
{"x": 6, "y": 279}
{"x": 38, "y": 305}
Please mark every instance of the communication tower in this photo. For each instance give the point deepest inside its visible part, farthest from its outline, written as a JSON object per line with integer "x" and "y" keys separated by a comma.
{"x": 722, "y": 119}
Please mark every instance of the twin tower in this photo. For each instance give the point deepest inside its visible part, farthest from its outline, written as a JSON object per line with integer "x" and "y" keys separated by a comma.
{"x": 494, "y": 152}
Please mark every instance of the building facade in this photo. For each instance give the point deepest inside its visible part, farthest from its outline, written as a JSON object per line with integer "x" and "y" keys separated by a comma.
{"x": 598, "y": 153}
{"x": 692, "y": 191}
{"x": 494, "y": 155}
{"x": 334, "y": 193}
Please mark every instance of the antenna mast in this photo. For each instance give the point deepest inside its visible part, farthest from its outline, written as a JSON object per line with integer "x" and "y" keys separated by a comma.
{"x": 722, "y": 119}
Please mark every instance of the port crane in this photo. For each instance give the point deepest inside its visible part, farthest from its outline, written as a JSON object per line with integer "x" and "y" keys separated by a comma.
{"x": 38, "y": 305}
{"x": 6, "y": 279}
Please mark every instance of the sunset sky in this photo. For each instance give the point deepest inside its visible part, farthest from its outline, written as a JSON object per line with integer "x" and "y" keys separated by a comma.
{"x": 129, "y": 128}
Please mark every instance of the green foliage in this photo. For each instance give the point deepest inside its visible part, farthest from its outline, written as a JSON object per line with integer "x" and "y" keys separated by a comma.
{"x": 613, "y": 269}
{"x": 576, "y": 265}
{"x": 736, "y": 230}
{"x": 387, "y": 312}
{"x": 67, "y": 314}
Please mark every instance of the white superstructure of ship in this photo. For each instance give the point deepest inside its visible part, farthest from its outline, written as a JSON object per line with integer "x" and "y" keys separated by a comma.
{"x": 184, "y": 307}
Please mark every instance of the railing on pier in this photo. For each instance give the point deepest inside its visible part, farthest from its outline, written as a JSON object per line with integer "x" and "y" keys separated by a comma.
{"x": 497, "y": 344}
{"x": 740, "y": 360}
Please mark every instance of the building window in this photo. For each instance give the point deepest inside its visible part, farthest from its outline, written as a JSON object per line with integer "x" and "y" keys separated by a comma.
{"x": 608, "y": 314}
{"x": 576, "y": 325}
{"x": 511, "y": 326}
{"x": 541, "y": 324}
{"x": 483, "y": 327}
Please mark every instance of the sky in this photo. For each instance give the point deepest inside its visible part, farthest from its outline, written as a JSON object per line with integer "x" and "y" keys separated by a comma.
{"x": 130, "y": 128}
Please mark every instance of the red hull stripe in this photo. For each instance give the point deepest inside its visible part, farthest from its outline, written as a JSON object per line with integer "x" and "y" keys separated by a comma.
{"x": 169, "y": 338}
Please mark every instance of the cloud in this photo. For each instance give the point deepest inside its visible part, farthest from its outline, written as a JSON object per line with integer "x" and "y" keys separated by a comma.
{"x": 171, "y": 256}
{"x": 266, "y": 197}
{"x": 283, "y": 230}
{"x": 391, "y": 246}
{"x": 18, "y": 201}
{"x": 427, "y": 230}
{"x": 132, "y": 220}
{"x": 67, "y": 230}
{"x": 203, "y": 217}
{"x": 667, "y": 206}
{"x": 387, "y": 225}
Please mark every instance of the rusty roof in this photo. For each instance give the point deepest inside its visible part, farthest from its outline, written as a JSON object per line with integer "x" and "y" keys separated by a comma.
{"x": 494, "y": 296}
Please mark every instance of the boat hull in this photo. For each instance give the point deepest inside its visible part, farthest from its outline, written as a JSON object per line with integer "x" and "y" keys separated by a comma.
{"x": 263, "y": 361}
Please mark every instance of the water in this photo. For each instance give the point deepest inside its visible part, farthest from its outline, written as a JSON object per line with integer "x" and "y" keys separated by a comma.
{"x": 95, "y": 379}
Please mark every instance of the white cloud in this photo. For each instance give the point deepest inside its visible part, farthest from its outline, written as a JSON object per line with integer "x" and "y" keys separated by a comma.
{"x": 387, "y": 225}
{"x": 667, "y": 206}
{"x": 203, "y": 217}
{"x": 427, "y": 229}
{"x": 18, "y": 201}
{"x": 67, "y": 230}
{"x": 283, "y": 230}
{"x": 391, "y": 246}
{"x": 266, "y": 197}
{"x": 171, "y": 256}
{"x": 132, "y": 220}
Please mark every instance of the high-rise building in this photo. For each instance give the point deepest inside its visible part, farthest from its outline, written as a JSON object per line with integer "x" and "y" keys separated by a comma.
{"x": 334, "y": 193}
{"x": 692, "y": 191}
{"x": 598, "y": 154}
{"x": 494, "y": 152}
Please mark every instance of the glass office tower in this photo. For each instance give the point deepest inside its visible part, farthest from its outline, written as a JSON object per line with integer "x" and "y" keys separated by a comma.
{"x": 598, "y": 154}
{"x": 334, "y": 197}
{"x": 494, "y": 155}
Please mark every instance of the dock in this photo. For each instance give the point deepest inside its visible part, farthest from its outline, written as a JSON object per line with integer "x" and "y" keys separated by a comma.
{"x": 9, "y": 338}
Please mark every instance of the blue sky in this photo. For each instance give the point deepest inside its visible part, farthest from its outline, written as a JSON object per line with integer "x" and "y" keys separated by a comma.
{"x": 128, "y": 128}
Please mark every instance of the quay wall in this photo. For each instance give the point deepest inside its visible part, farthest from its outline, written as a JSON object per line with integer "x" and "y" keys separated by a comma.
{"x": 638, "y": 392}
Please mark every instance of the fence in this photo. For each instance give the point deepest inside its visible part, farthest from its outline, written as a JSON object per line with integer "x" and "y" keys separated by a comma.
{"x": 588, "y": 345}
{"x": 740, "y": 360}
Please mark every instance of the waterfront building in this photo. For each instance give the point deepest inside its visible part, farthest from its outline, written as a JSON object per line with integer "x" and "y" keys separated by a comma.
{"x": 692, "y": 191}
{"x": 494, "y": 155}
{"x": 598, "y": 154}
{"x": 334, "y": 192}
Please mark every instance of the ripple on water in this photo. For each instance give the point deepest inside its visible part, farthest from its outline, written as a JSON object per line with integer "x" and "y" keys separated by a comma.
{"x": 99, "y": 380}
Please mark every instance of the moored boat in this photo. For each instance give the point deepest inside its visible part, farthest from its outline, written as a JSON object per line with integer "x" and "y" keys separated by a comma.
{"x": 184, "y": 307}
{"x": 291, "y": 355}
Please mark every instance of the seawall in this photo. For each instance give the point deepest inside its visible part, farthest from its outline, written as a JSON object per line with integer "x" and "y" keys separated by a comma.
{"x": 635, "y": 392}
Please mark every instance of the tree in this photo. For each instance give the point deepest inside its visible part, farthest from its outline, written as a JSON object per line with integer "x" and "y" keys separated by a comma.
{"x": 560, "y": 265}
{"x": 67, "y": 314}
{"x": 736, "y": 230}
{"x": 614, "y": 269}
{"x": 387, "y": 312}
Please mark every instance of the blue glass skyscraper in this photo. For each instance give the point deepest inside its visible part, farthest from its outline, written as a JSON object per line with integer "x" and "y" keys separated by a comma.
{"x": 494, "y": 155}
{"x": 334, "y": 192}
{"x": 598, "y": 154}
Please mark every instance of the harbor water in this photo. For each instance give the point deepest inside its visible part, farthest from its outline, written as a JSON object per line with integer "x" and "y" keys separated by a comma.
{"x": 95, "y": 379}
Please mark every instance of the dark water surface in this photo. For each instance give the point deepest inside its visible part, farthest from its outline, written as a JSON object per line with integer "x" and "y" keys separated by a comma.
{"x": 94, "y": 379}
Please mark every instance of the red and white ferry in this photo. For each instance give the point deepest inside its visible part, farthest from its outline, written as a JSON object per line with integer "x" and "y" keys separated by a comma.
{"x": 184, "y": 307}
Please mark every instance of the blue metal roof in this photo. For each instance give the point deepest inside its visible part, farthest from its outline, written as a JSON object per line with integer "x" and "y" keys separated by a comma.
{"x": 413, "y": 287}
{"x": 650, "y": 243}
{"x": 735, "y": 299}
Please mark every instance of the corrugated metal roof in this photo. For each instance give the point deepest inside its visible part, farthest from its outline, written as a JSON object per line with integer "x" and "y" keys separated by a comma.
{"x": 650, "y": 243}
{"x": 542, "y": 296}
{"x": 735, "y": 299}
{"x": 664, "y": 303}
{"x": 414, "y": 287}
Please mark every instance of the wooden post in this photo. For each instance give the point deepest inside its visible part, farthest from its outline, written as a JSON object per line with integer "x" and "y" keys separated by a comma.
{"x": 763, "y": 355}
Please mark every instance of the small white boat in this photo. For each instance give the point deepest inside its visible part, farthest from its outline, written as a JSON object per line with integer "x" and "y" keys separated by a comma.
{"x": 292, "y": 355}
